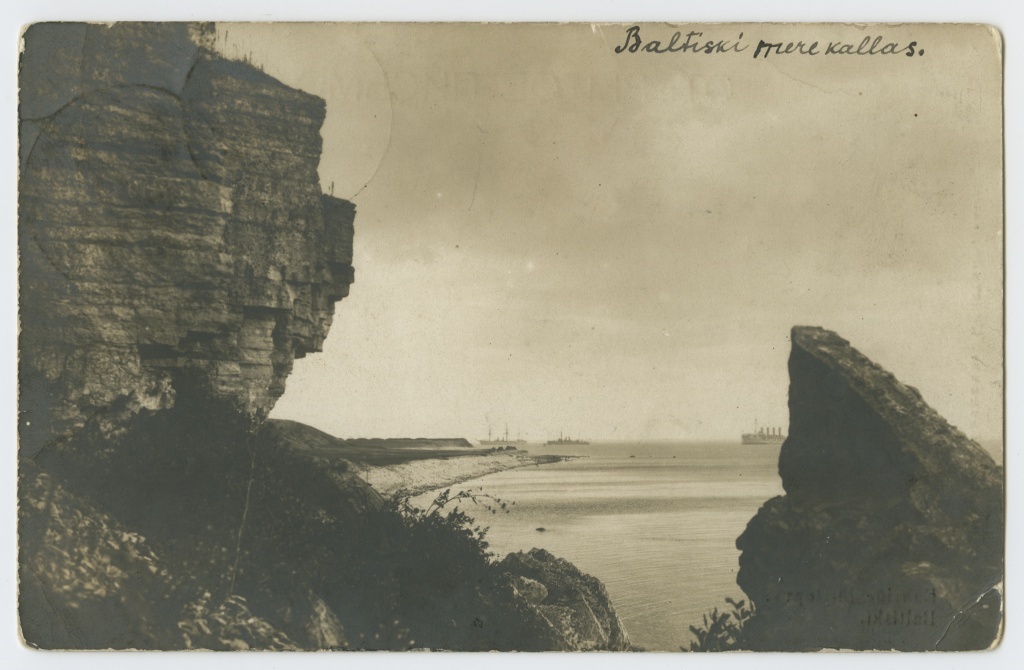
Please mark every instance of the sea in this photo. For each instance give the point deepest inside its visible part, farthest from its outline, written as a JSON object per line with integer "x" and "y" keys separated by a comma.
{"x": 656, "y": 522}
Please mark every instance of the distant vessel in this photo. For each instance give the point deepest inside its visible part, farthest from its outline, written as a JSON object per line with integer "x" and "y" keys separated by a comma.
{"x": 489, "y": 441}
{"x": 565, "y": 441}
{"x": 763, "y": 436}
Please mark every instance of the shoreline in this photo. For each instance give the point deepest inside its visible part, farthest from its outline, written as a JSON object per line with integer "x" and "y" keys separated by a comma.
{"x": 419, "y": 477}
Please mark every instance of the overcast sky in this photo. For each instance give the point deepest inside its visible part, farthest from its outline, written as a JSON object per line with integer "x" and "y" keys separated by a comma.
{"x": 615, "y": 246}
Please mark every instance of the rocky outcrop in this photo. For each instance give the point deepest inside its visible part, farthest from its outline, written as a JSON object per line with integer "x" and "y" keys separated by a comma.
{"x": 176, "y": 255}
{"x": 571, "y": 609}
{"x": 890, "y": 534}
{"x": 170, "y": 217}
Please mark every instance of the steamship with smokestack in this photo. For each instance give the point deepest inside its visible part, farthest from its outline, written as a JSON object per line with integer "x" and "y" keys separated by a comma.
{"x": 763, "y": 435}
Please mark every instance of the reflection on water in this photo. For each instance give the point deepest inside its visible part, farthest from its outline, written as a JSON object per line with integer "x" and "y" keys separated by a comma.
{"x": 656, "y": 522}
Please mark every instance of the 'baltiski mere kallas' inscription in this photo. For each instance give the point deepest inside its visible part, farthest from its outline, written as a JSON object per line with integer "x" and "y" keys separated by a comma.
{"x": 695, "y": 43}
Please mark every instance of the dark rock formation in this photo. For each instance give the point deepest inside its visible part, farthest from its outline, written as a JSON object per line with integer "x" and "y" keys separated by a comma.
{"x": 890, "y": 534}
{"x": 176, "y": 255}
{"x": 170, "y": 216}
{"x": 571, "y": 608}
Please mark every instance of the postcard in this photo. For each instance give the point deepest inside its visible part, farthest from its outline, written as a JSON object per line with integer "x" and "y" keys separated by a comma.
{"x": 517, "y": 337}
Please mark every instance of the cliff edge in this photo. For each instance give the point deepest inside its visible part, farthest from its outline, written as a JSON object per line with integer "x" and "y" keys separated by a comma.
{"x": 890, "y": 534}
{"x": 170, "y": 216}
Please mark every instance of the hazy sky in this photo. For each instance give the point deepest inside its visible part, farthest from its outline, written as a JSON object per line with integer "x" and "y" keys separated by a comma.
{"x": 616, "y": 245}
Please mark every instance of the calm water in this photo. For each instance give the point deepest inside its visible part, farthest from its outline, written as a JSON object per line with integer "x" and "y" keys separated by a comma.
{"x": 659, "y": 529}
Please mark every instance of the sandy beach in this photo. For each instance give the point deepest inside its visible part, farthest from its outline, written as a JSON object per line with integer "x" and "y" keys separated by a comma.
{"x": 418, "y": 477}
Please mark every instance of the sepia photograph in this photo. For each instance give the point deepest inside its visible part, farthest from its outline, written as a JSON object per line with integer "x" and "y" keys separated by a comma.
{"x": 518, "y": 337}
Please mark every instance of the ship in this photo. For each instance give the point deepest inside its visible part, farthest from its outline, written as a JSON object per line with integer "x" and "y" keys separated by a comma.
{"x": 763, "y": 436}
{"x": 565, "y": 441}
{"x": 488, "y": 442}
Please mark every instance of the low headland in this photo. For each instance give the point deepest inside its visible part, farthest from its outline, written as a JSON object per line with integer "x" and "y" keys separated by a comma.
{"x": 410, "y": 465}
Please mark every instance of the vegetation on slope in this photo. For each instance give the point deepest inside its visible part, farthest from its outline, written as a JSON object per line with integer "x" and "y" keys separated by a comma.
{"x": 194, "y": 528}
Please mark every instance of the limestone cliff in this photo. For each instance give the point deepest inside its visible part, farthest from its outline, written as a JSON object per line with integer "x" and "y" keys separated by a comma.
{"x": 170, "y": 216}
{"x": 890, "y": 534}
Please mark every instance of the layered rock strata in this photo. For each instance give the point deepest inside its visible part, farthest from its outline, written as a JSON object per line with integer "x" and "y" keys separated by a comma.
{"x": 170, "y": 217}
{"x": 890, "y": 534}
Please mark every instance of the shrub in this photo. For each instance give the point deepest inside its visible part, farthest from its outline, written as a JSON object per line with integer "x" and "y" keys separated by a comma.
{"x": 395, "y": 576}
{"x": 722, "y": 631}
